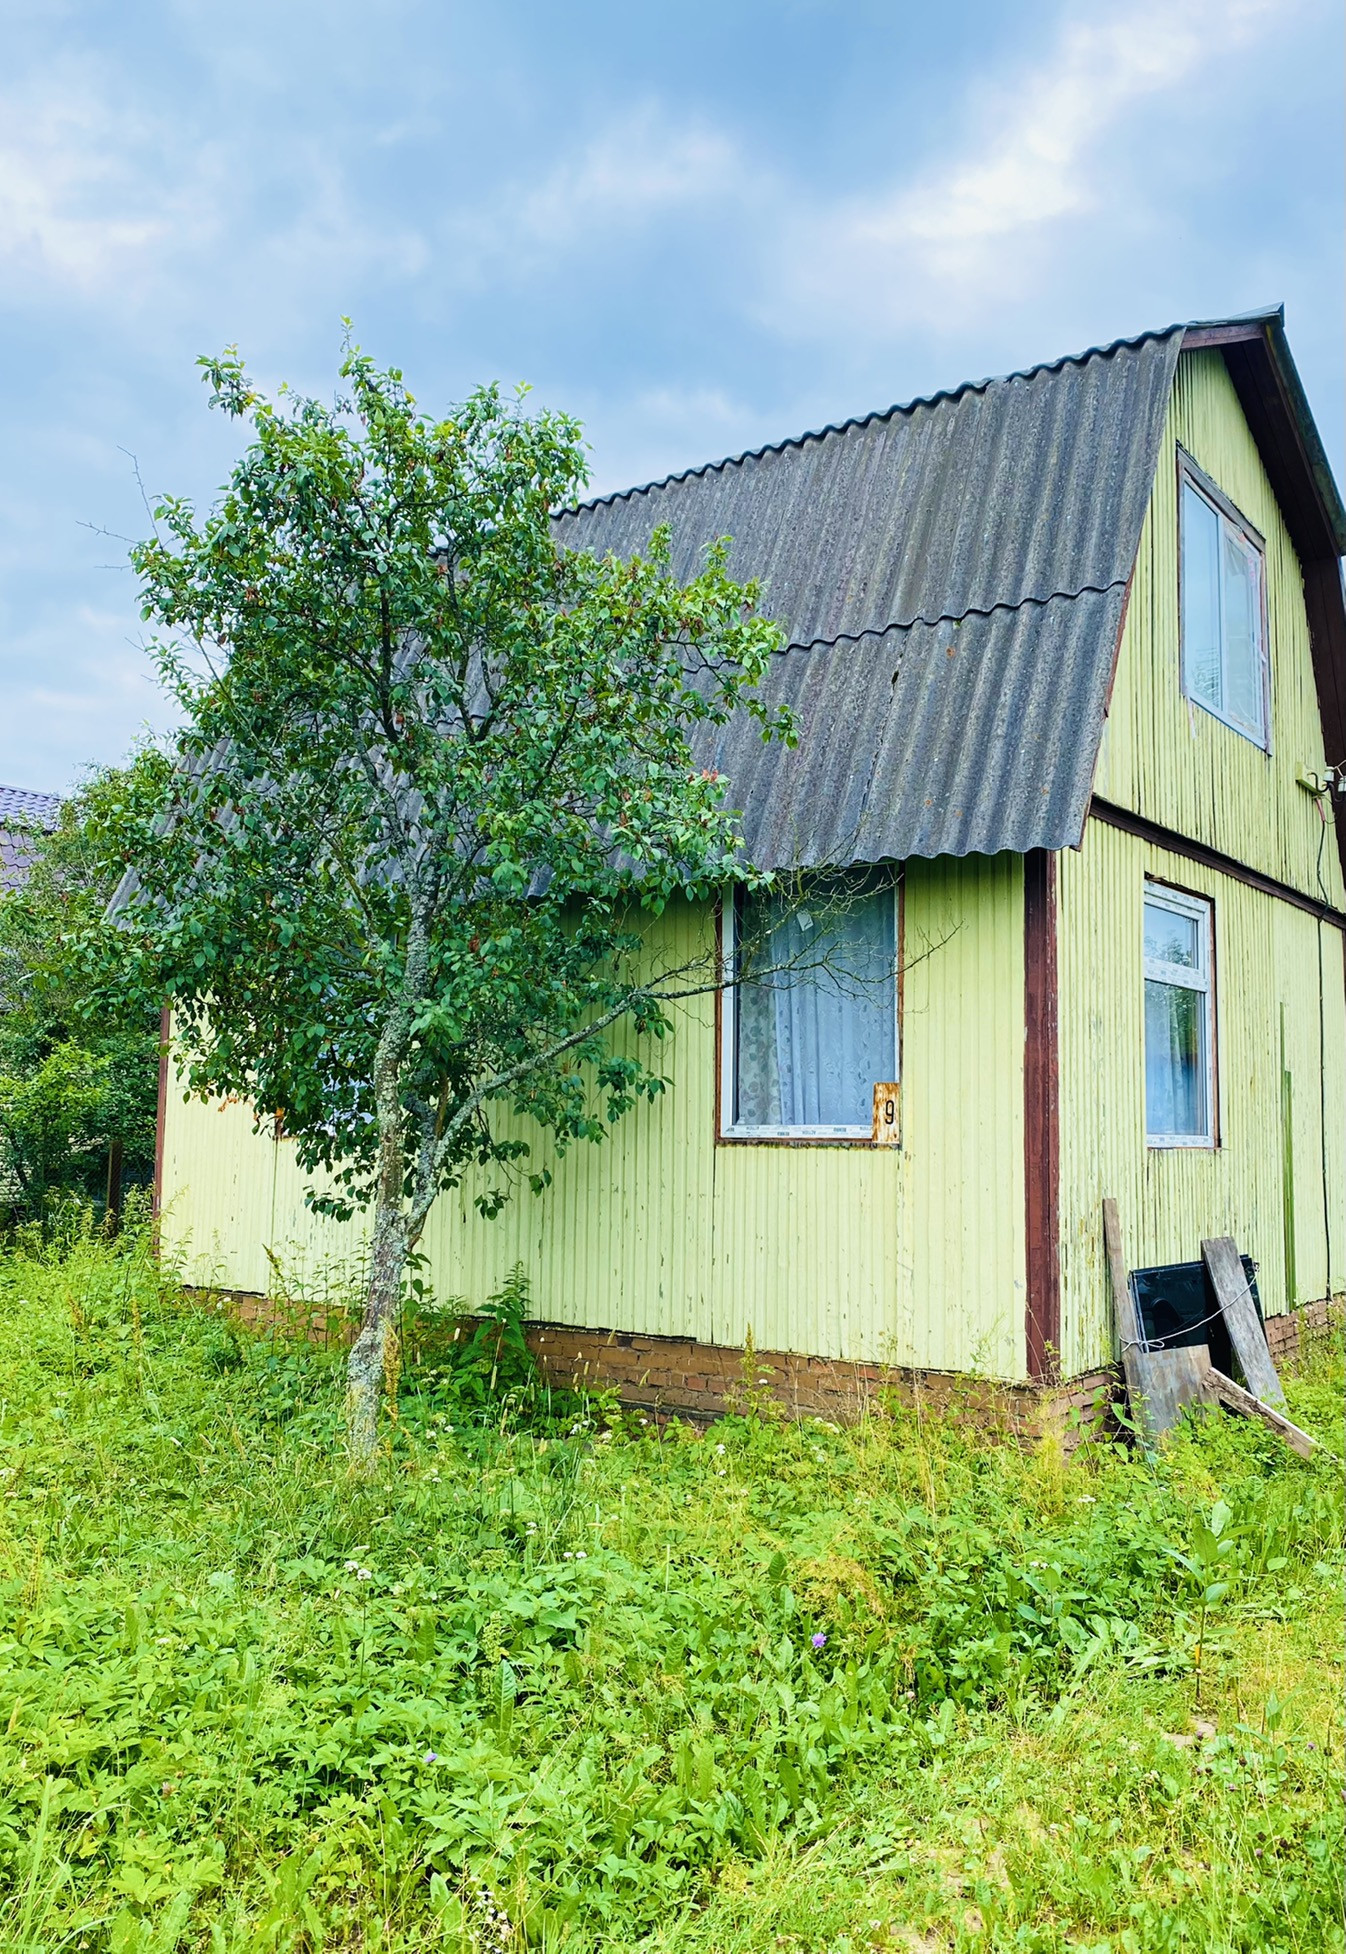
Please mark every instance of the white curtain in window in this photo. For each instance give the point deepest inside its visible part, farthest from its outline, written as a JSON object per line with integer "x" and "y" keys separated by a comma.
{"x": 817, "y": 1031}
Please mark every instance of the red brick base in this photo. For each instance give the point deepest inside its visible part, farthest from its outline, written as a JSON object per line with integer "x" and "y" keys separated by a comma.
{"x": 680, "y": 1377}
{"x": 702, "y": 1381}
{"x": 1302, "y": 1330}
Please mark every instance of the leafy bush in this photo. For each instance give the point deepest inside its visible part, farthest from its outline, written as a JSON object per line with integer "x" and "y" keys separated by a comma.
{"x": 771, "y": 1684}
{"x": 76, "y": 1081}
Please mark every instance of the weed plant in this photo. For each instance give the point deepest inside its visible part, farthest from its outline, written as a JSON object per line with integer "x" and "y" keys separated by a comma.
{"x": 558, "y": 1678}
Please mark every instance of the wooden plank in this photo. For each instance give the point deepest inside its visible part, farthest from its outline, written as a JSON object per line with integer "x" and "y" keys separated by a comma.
{"x": 1225, "y": 1269}
{"x": 1158, "y": 1382}
{"x": 1226, "y": 1392}
{"x": 1127, "y": 1317}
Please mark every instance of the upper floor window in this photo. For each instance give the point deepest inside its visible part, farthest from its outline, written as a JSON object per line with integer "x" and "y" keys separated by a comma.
{"x": 1224, "y": 665}
{"x": 810, "y": 1018}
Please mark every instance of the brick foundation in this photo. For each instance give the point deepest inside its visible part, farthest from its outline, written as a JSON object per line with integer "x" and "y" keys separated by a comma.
{"x": 1297, "y": 1333}
{"x": 677, "y": 1376}
{"x": 702, "y": 1381}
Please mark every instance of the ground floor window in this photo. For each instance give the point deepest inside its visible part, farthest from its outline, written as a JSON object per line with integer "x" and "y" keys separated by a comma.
{"x": 810, "y": 1018}
{"x": 1179, "y": 1020}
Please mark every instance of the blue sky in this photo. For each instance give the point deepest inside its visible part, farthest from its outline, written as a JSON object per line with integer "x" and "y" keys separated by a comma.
{"x": 698, "y": 227}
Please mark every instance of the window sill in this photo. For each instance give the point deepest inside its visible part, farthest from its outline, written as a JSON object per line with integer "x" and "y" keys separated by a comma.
{"x": 765, "y": 1138}
{"x": 1178, "y": 1145}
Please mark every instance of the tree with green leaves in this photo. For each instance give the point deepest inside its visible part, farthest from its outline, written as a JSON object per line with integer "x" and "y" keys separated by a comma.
{"x": 435, "y": 771}
{"x": 78, "y": 1066}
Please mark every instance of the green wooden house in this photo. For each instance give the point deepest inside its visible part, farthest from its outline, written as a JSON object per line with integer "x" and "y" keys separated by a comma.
{"x": 1067, "y": 655}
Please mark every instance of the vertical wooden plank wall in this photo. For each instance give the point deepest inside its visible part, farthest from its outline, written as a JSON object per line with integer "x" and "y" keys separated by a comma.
{"x": 912, "y": 1255}
{"x": 1169, "y": 760}
{"x": 1266, "y": 958}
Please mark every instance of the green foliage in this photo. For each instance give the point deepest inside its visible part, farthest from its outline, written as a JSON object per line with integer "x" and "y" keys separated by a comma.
{"x": 493, "y": 1366}
{"x": 773, "y": 1685}
{"x": 436, "y": 767}
{"x": 78, "y": 1066}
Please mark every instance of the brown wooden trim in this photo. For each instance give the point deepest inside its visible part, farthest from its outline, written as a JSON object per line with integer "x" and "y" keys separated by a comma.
{"x": 1159, "y": 836}
{"x": 1327, "y": 641}
{"x": 1196, "y": 338}
{"x": 1042, "y": 1119}
{"x": 161, "y": 1108}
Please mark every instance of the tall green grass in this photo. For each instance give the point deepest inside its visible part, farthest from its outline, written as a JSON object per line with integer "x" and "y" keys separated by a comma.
{"x": 555, "y": 1679}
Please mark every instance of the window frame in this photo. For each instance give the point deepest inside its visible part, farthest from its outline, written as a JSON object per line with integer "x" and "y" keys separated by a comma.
{"x": 1191, "y": 475}
{"x": 1201, "y": 909}
{"x": 730, "y": 1134}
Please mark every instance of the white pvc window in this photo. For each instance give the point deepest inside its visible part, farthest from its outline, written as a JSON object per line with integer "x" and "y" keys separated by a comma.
{"x": 810, "y": 1015}
{"x": 1224, "y": 666}
{"x": 1179, "y": 1020}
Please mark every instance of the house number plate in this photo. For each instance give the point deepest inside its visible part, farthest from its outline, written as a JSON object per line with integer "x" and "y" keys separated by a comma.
{"x": 887, "y": 1126}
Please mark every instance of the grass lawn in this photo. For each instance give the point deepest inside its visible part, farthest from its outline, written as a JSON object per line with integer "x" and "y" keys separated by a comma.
{"x": 554, "y": 1681}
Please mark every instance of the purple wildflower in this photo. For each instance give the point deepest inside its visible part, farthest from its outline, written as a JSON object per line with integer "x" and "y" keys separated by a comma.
{"x": 820, "y": 1640}
{"x": 432, "y": 1757}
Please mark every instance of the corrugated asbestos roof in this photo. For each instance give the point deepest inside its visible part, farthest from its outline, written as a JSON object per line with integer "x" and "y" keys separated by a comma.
{"x": 951, "y": 577}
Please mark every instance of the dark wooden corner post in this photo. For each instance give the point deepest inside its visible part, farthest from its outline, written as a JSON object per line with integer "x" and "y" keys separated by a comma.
{"x": 1042, "y": 1118}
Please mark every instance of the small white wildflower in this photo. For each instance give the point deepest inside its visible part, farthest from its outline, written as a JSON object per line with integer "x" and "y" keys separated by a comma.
{"x": 581, "y": 1555}
{"x": 362, "y": 1574}
{"x": 567, "y": 1557}
{"x": 351, "y": 1566}
{"x": 719, "y": 1450}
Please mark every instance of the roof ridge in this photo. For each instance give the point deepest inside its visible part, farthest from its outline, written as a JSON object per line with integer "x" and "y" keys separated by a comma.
{"x": 936, "y": 399}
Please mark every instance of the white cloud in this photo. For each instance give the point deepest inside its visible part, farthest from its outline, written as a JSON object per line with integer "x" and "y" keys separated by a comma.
{"x": 639, "y": 168}
{"x": 104, "y": 200}
{"x": 85, "y": 196}
{"x": 970, "y": 230}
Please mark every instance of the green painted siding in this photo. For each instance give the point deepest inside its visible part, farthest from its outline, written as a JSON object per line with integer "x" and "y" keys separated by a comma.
{"x": 1172, "y": 761}
{"x": 1266, "y": 975}
{"x": 1169, "y": 760}
{"x": 913, "y": 1256}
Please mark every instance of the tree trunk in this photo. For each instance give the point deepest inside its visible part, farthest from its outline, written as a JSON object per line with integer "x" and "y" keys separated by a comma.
{"x": 373, "y": 1354}
{"x": 373, "y": 1360}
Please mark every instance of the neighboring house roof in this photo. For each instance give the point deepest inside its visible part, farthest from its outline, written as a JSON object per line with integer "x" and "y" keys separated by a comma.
{"x": 952, "y": 578}
{"x": 23, "y": 815}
